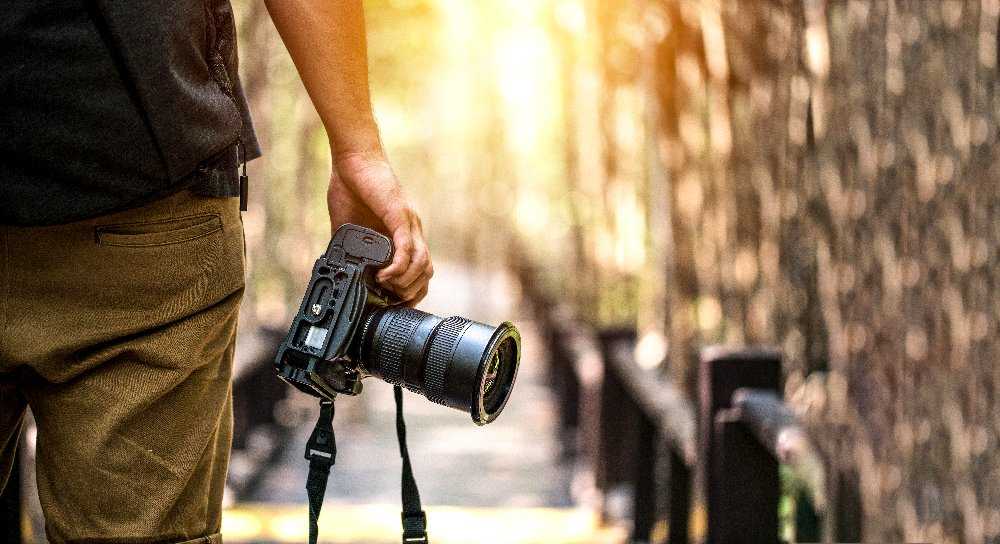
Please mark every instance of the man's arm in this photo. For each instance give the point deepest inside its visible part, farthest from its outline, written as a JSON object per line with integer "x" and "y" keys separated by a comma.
{"x": 326, "y": 39}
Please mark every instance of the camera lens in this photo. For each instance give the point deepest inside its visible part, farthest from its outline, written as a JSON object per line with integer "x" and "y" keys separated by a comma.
{"x": 452, "y": 361}
{"x": 499, "y": 373}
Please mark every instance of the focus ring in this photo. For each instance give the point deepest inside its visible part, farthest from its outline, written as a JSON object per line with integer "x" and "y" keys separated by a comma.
{"x": 439, "y": 356}
{"x": 391, "y": 342}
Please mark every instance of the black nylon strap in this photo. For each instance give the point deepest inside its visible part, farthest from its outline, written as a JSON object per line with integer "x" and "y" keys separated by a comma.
{"x": 321, "y": 451}
{"x": 413, "y": 517}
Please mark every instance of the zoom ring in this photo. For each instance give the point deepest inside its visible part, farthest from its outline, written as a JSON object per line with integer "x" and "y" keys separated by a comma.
{"x": 393, "y": 341}
{"x": 439, "y": 356}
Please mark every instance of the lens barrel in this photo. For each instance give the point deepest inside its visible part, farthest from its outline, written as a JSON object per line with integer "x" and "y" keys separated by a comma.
{"x": 454, "y": 361}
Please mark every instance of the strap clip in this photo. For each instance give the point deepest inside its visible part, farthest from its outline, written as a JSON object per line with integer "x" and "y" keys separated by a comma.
{"x": 415, "y": 528}
{"x": 322, "y": 445}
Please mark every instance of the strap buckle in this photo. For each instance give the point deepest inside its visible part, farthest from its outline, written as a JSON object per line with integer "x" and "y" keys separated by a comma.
{"x": 322, "y": 444}
{"x": 318, "y": 453}
{"x": 415, "y": 528}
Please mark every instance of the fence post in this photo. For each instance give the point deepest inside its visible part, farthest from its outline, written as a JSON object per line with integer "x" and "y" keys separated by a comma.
{"x": 644, "y": 500}
{"x": 748, "y": 486}
{"x": 564, "y": 382}
{"x": 619, "y": 425}
{"x": 680, "y": 499}
{"x": 807, "y": 520}
{"x": 721, "y": 372}
{"x": 847, "y": 507}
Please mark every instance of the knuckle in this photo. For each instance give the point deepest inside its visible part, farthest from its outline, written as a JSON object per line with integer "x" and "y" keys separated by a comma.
{"x": 421, "y": 258}
{"x": 405, "y": 245}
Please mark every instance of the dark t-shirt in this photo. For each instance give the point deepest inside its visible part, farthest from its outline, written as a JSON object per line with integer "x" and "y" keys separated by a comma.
{"x": 76, "y": 138}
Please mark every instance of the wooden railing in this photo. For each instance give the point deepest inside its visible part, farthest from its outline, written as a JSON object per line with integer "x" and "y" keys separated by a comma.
{"x": 702, "y": 467}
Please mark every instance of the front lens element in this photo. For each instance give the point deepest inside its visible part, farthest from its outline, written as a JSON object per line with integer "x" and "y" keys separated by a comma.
{"x": 491, "y": 373}
{"x": 456, "y": 362}
{"x": 499, "y": 373}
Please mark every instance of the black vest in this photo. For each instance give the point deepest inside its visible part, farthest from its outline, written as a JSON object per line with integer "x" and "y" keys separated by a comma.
{"x": 110, "y": 104}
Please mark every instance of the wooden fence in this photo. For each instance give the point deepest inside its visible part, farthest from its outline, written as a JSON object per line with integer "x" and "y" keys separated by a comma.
{"x": 714, "y": 468}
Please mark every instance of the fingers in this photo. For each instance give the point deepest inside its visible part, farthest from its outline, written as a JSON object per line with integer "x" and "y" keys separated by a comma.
{"x": 402, "y": 241}
{"x": 411, "y": 291}
{"x": 406, "y": 286}
{"x": 411, "y": 268}
{"x": 417, "y": 298}
{"x": 420, "y": 260}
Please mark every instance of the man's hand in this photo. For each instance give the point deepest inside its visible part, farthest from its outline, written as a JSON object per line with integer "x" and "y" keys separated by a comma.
{"x": 364, "y": 190}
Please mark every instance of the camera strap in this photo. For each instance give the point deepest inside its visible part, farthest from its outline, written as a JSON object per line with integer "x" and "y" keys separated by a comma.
{"x": 413, "y": 516}
{"x": 321, "y": 451}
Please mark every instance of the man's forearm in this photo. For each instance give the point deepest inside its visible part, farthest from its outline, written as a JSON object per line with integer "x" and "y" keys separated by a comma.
{"x": 326, "y": 40}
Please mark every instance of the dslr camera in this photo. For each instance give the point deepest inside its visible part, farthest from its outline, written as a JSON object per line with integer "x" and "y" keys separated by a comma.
{"x": 348, "y": 328}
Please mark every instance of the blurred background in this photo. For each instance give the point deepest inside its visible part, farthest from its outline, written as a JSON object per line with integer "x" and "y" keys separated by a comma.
{"x": 816, "y": 176}
{"x": 471, "y": 98}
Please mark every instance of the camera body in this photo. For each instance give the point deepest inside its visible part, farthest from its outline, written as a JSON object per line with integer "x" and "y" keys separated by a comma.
{"x": 316, "y": 356}
{"x": 348, "y": 328}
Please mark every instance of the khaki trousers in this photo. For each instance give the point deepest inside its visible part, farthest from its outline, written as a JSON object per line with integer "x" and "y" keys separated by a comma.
{"x": 118, "y": 332}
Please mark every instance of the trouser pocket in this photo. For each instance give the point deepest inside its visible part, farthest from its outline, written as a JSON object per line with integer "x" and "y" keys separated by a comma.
{"x": 159, "y": 233}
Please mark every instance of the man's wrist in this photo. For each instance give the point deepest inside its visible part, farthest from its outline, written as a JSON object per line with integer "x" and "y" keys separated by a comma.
{"x": 356, "y": 140}
{"x": 355, "y": 165}
{"x": 359, "y": 156}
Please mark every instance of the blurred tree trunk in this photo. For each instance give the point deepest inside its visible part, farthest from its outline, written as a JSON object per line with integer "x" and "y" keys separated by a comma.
{"x": 286, "y": 223}
{"x": 832, "y": 172}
